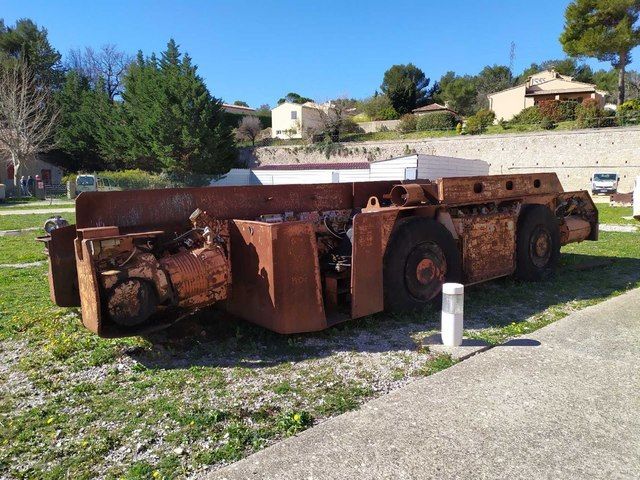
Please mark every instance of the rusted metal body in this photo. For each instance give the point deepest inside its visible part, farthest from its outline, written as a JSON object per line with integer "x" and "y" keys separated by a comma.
{"x": 621, "y": 199}
{"x": 292, "y": 258}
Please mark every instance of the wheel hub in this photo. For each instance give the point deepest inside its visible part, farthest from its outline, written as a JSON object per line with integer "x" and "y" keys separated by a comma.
{"x": 426, "y": 270}
{"x": 540, "y": 247}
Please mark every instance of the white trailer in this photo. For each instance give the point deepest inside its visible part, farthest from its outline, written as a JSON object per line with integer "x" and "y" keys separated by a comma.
{"x": 431, "y": 167}
{"x": 408, "y": 167}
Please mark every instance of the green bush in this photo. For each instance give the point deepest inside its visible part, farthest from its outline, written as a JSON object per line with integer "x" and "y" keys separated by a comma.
{"x": 378, "y": 108}
{"x": 567, "y": 110}
{"x": 437, "y": 121}
{"x": 479, "y": 122}
{"x": 486, "y": 116}
{"x": 132, "y": 179}
{"x": 548, "y": 123}
{"x": 550, "y": 109}
{"x": 629, "y": 112}
{"x": 408, "y": 123}
{"x": 630, "y": 105}
{"x": 589, "y": 114}
{"x": 528, "y": 116}
{"x": 135, "y": 179}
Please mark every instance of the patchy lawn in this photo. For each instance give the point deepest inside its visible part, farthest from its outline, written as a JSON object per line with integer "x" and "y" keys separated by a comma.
{"x": 34, "y": 206}
{"x": 21, "y": 248}
{"x": 213, "y": 389}
{"x": 16, "y": 222}
{"x": 615, "y": 215}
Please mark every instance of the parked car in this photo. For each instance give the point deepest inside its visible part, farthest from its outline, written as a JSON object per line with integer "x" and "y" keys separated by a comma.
{"x": 86, "y": 182}
{"x": 606, "y": 183}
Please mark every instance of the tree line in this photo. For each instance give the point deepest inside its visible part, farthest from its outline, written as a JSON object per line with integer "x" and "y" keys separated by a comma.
{"x": 607, "y": 30}
{"x": 112, "y": 111}
{"x": 102, "y": 109}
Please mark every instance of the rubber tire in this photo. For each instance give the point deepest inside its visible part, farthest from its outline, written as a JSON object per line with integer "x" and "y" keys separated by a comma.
{"x": 408, "y": 234}
{"x": 531, "y": 218}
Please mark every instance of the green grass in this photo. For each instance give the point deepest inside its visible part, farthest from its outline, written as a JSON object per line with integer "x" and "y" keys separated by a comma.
{"x": 15, "y": 222}
{"x": 220, "y": 388}
{"x": 614, "y": 215}
{"x": 55, "y": 206}
{"x": 589, "y": 272}
{"x": 21, "y": 248}
{"x": 394, "y": 135}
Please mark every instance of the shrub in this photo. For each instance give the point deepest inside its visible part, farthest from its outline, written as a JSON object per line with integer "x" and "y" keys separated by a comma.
{"x": 408, "y": 123}
{"x": 589, "y": 114}
{"x": 486, "y": 116}
{"x": 528, "y": 116}
{"x": 567, "y": 110}
{"x": 548, "y": 123}
{"x": 459, "y": 128}
{"x": 437, "y": 121}
{"x": 629, "y": 112}
{"x": 630, "y": 105}
{"x": 503, "y": 124}
{"x": 136, "y": 179}
{"x": 550, "y": 109}
{"x": 379, "y": 108}
{"x": 474, "y": 126}
{"x": 349, "y": 126}
{"x": 479, "y": 122}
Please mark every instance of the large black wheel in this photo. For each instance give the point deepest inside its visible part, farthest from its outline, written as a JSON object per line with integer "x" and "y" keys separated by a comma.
{"x": 421, "y": 256}
{"x": 537, "y": 243}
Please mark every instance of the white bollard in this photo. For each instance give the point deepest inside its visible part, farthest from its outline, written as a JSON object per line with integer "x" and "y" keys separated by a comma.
{"x": 452, "y": 314}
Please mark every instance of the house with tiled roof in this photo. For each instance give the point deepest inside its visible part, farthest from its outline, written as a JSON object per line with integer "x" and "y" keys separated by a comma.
{"x": 545, "y": 85}
{"x": 432, "y": 108}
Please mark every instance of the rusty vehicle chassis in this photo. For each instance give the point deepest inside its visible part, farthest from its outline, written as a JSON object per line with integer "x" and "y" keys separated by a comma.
{"x": 292, "y": 258}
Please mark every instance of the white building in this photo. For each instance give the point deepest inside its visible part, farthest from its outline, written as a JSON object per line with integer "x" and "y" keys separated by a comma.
{"x": 409, "y": 167}
{"x": 545, "y": 85}
{"x": 292, "y": 120}
{"x": 39, "y": 166}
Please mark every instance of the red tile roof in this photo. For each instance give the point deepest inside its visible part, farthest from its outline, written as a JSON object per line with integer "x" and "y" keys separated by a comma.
{"x": 434, "y": 107}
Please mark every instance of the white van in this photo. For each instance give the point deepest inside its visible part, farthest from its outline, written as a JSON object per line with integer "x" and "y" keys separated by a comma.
{"x": 87, "y": 182}
{"x": 606, "y": 183}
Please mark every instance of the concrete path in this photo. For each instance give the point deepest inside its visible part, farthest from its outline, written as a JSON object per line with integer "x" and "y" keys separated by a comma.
{"x": 564, "y": 403}
{"x": 29, "y": 211}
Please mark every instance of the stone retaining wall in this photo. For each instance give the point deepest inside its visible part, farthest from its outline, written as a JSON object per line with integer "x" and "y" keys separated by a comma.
{"x": 573, "y": 155}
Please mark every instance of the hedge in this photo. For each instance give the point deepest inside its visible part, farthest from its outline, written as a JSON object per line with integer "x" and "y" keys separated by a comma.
{"x": 437, "y": 121}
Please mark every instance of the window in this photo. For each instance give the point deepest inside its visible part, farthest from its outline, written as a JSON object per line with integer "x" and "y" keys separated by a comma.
{"x": 294, "y": 115}
{"x": 46, "y": 176}
{"x": 85, "y": 180}
{"x": 410, "y": 173}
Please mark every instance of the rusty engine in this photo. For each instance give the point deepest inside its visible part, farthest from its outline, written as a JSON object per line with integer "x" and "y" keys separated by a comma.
{"x": 302, "y": 258}
{"x": 141, "y": 275}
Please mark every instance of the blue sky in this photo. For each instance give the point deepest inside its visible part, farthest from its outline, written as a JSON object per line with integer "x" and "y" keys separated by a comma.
{"x": 258, "y": 51}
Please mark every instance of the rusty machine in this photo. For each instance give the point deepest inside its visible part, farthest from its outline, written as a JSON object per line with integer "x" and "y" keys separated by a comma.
{"x": 300, "y": 258}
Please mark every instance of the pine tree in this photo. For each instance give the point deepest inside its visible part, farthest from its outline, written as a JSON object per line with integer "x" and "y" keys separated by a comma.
{"x": 176, "y": 125}
{"x": 605, "y": 29}
{"x": 91, "y": 130}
